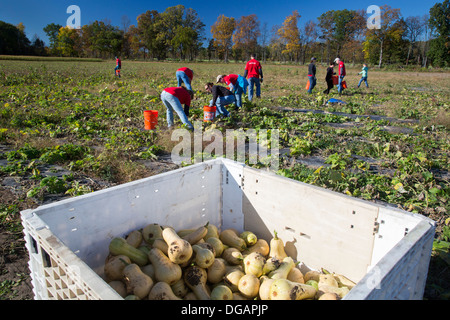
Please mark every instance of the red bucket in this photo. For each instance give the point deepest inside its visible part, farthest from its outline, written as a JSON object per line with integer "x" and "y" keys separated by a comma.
{"x": 150, "y": 119}
{"x": 209, "y": 113}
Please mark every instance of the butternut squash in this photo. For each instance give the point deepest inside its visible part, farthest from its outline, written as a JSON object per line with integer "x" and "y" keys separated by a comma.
{"x": 161, "y": 245}
{"x": 221, "y": 292}
{"x": 232, "y": 278}
{"x": 295, "y": 275}
{"x": 216, "y": 271}
{"x": 249, "y": 237}
{"x": 195, "y": 278}
{"x": 134, "y": 238}
{"x": 162, "y": 291}
{"x": 233, "y": 256}
{"x": 119, "y": 246}
{"x": 327, "y": 279}
{"x": 119, "y": 287}
{"x": 203, "y": 257}
{"x": 213, "y": 231}
{"x": 149, "y": 270}
{"x": 283, "y": 270}
{"x": 196, "y": 235}
{"x": 283, "y": 289}
{"x": 271, "y": 265}
{"x": 248, "y": 285}
{"x": 151, "y": 232}
{"x": 217, "y": 245}
{"x": 311, "y": 275}
{"x": 340, "y": 291}
{"x": 344, "y": 281}
{"x": 230, "y": 238}
{"x": 137, "y": 282}
{"x": 114, "y": 266}
{"x": 179, "y": 288}
{"x": 254, "y": 264}
{"x": 264, "y": 287}
{"x": 165, "y": 270}
{"x": 179, "y": 250}
{"x": 277, "y": 247}
{"x": 260, "y": 246}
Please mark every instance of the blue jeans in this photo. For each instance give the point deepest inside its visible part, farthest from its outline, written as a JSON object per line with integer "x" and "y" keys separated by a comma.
{"x": 182, "y": 77}
{"x": 340, "y": 88}
{"x": 312, "y": 83}
{"x": 252, "y": 82}
{"x": 173, "y": 103}
{"x": 365, "y": 80}
{"x": 221, "y": 102}
{"x": 238, "y": 91}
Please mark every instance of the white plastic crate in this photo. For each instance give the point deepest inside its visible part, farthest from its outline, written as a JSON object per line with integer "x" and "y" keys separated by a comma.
{"x": 385, "y": 250}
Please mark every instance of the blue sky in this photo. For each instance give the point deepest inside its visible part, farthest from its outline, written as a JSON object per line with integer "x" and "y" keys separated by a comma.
{"x": 36, "y": 14}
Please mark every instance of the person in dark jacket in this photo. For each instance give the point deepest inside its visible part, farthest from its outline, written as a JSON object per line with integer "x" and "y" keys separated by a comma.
{"x": 221, "y": 97}
{"x": 329, "y": 77}
{"x": 312, "y": 75}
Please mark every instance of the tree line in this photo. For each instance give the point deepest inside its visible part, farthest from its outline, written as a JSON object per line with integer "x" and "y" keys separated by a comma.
{"x": 179, "y": 33}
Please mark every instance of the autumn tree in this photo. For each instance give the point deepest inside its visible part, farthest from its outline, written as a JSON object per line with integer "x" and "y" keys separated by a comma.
{"x": 245, "y": 37}
{"x": 310, "y": 36}
{"x": 414, "y": 27}
{"x": 68, "y": 41}
{"x": 389, "y": 32}
{"x": 290, "y": 34}
{"x": 52, "y": 31}
{"x": 440, "y": 25}
{"x": 222, "y": 32}
{"x": 13, "y": 40}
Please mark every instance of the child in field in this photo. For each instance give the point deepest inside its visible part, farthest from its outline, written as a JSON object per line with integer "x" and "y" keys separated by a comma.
{"x": 118, "y": 67}
{"x": 363, "y": 74}
{"x": 329, "y": 77}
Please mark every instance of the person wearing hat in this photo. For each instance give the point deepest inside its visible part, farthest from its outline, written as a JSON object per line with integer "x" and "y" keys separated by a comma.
{"x": 221, "y": 97}
{"x": 237, "y": 84}
{"x": 312, "y": 74}
{"x": 185, "y": 75}
{"x": 341, "y": 73}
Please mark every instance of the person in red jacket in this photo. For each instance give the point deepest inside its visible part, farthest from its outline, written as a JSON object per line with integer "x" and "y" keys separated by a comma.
{"x": 253, "y": 71}
{"x": 341, "y": 73}
{"x": 237, "y": 84}
{"x": 185, "y": 75}
{"x": 173, "y": 98}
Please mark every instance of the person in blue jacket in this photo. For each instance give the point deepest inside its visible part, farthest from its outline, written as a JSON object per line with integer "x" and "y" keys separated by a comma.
{"x": 363, "y": 74}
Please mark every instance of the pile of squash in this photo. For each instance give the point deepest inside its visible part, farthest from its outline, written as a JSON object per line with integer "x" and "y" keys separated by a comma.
{"x": 159, "y": 263}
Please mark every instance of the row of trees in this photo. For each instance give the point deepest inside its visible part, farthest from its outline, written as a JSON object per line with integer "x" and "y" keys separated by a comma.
{"x": 179, "y": 33}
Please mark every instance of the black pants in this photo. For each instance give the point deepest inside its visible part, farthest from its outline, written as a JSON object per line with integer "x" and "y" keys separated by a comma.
{"x": 330, "y": 86}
